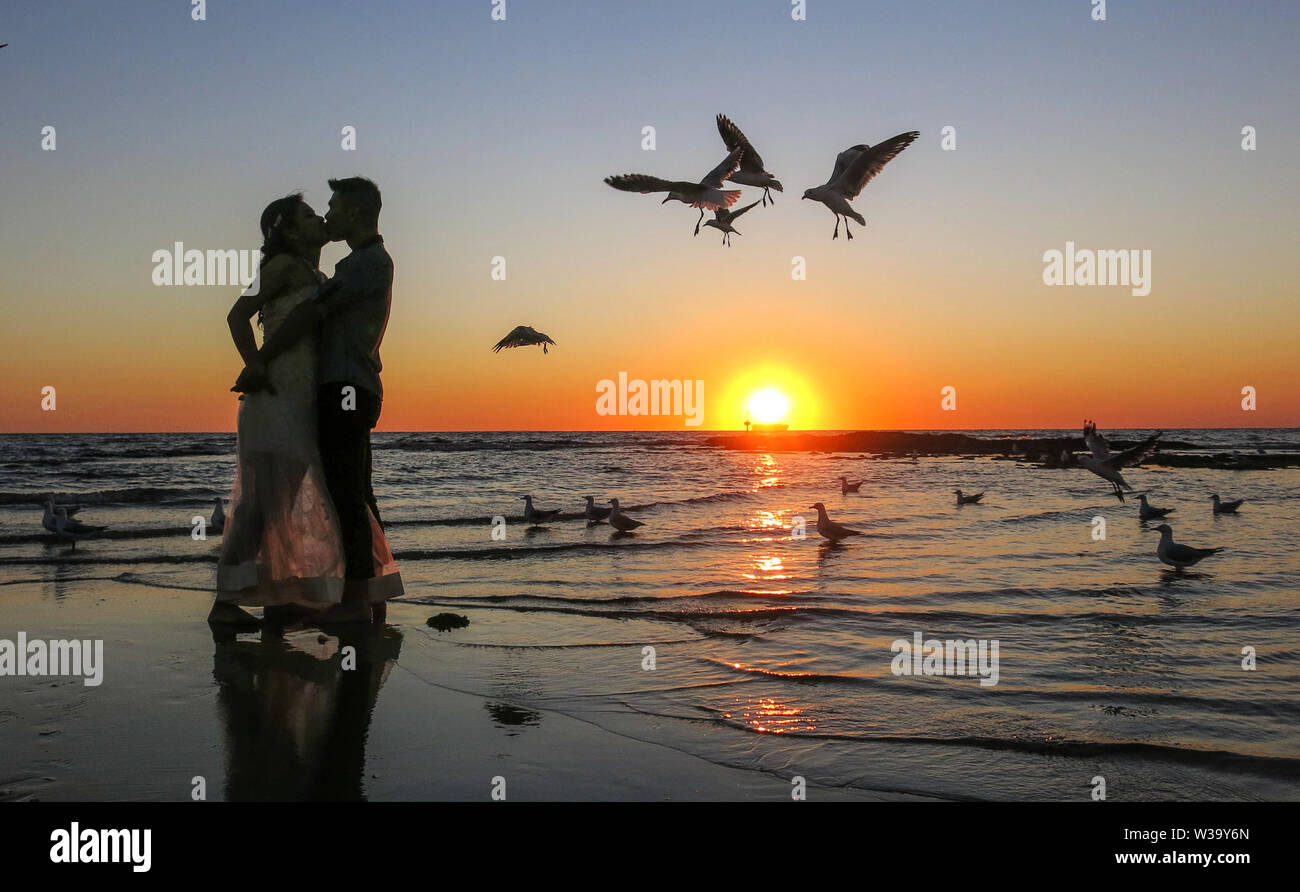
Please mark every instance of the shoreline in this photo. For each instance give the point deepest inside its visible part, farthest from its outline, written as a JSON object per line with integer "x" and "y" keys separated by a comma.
{"x": 277, "y": 721}
{"x": 273, "y": 719}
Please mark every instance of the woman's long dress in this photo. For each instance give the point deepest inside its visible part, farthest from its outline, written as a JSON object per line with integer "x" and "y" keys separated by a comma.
{"x": 281, "y": 543}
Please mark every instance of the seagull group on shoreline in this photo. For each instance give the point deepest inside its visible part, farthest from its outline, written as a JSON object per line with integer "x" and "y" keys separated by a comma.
{"x": 854, "y": 168}
{"x": 593, "y": 513}
{"x": 58, "y": 520}
{"x": 1107, "y": 465}
{"x": 1104, "y": 464}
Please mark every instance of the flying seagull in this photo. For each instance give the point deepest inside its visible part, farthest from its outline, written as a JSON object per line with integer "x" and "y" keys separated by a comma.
{"x": 854, "y": 168}
{"x": 523, "y": 336}
{"x": 1221, "y": 507}
{"x": 751, "y": 171}
{"x": 1150, "y": 512}
{"x": 620, "y": 521}
{"x": 722, "y": 221}
{"x": 829, "y": 528}
{"x": 707, "y": 194}
{"x": 967, "y": 500}
{"x": 1106, "y": 464}
{"x": 534, "y": 516}
{"x": 1179, "y": 556}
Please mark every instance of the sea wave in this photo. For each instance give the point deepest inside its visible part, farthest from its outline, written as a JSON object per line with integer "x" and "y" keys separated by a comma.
{"x": 139, "y": 495}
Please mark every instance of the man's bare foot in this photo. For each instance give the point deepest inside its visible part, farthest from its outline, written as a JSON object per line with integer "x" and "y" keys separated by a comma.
{"x": 225, "y": 613}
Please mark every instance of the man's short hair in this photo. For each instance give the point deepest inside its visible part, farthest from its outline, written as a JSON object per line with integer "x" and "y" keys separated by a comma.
{"x": 362, "y": 195}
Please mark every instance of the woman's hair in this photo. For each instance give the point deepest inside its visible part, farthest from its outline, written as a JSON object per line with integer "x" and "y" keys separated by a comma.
{"x": 278, "y": 219}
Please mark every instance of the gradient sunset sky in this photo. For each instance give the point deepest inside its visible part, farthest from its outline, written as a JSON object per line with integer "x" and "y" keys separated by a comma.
{"x": 492, "y": 138}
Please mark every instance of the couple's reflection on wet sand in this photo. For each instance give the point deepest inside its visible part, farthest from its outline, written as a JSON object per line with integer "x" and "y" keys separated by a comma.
{"x": 295, "y": 720}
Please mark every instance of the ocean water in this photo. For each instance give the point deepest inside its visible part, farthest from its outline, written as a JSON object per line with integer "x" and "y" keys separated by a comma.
{"x": 773, "y": 652}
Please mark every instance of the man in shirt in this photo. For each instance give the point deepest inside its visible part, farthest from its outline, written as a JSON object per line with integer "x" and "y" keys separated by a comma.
{"x": 350, "y": 312}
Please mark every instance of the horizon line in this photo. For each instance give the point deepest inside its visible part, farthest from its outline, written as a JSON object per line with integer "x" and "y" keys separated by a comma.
{"x": 737, "y": 431}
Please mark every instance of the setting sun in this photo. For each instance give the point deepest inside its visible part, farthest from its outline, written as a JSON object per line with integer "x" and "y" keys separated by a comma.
{"x": 768, "y": 406}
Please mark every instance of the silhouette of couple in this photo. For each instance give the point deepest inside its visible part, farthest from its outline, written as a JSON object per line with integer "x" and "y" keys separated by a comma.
{"x": 303, "y": 539}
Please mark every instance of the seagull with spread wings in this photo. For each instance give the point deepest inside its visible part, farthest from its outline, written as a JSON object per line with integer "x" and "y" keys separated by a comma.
{"x": 722, "y": 221}
{"x": 523, "y": 336}
{"x": 751, "y": 171}
{"x": 1106, "y": 464}
{"x": 854, "y": 168}
{"x": 707, "y": 194}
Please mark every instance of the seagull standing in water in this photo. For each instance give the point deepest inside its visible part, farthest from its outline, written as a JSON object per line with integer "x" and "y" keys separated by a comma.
{"x": 595, "y": 513}
{"x": 751, "y": 171}
{"x": 707, "y": 194}
{"x": 535, "y": 517}
{"x": 56, "y": 521}
{"x": 523, "y": 336}
{"x": 829, "y": 528}
{"x": 218, "y": 522}
{"x": 1106, "y": 464}
{"x": 846, "y": 487}
{"x": 1179, "y": 556}
{"x": 1149, "y": 512}
{"x": 1221, "y": 507}
{"x": 722, "y": 221}
{"x": 854, "y": 168}
{"x": 967, "y": 500}
{"x": 620, "y": 521}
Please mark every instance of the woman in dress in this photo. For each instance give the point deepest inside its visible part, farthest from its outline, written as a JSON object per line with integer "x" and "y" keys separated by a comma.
{"x": 281, "y": 547}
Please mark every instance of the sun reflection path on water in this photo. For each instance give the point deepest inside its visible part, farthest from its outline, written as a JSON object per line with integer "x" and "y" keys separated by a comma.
{"x": 767, "y": 471}
{"x": 767, "y": 568}
{"x": 772, "y": 526}
{"x": 770, "y": 716}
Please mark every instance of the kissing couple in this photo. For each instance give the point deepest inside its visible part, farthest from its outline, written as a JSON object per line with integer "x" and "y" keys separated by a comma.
{"x": 303, "y": 538}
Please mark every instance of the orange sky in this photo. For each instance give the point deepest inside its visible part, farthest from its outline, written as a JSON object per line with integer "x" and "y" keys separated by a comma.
{"x": 879, "y": 365}
{"x": 165, "y": 136}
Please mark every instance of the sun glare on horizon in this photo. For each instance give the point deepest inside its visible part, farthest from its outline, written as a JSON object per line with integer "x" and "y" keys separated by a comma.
{"x": 768, "y": 406}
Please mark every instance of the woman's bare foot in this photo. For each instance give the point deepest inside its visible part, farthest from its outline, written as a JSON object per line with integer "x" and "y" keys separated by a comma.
{"x": 225, "y": 613}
